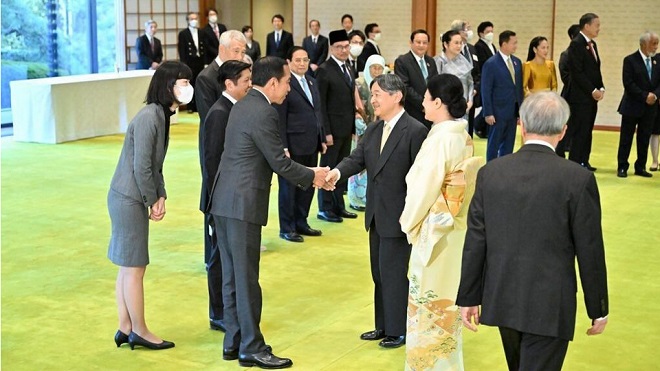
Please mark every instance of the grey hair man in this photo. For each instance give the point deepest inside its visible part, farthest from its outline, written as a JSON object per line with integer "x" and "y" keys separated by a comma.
{"x": 534, "y": 303}
{"x": 387, "y": 151}
{"x": 148, "y": 48}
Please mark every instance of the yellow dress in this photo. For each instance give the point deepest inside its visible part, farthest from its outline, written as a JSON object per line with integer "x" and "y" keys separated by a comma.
{"x": 539, "y": 77}
{"x": 440, "y": 186}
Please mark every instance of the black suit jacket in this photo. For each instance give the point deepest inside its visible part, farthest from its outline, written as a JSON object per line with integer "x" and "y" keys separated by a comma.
{"x": 254, "y": 52}
{"x": 145, "y": 55}
{"x": 564, "y": 73}
{"x": 253, "y": 150}
{"x": 584, "y": 70}
{"x": 408, "y": 69}
{"x": 207, "y": 90}
{"x": 212, "y": 140}
{"x": 300, "y": 120}
{"x": 386, "y": 171}
{"x": 476, "y": 71}
{"x": 532, "y": 214}
{"x": 368, "y": 51}
{"x": 637, "y": 85}
{"x": 318, "y": 52}
{"x": 187, "y": 49}
{"x": 211, "y": 42}
{"x": 337, "y": 100}
{"x": 286, "y": 43}
{"x": 483, "y": 52}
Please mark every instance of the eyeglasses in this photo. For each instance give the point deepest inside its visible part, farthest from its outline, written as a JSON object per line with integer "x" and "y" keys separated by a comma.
{"x": 342, "y": 47}
{"x": 301, "y": 60}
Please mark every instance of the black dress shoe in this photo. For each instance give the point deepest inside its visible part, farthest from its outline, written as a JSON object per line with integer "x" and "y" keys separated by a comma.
{"x": 373, "y": 335}
{"x": 347, "y": 214}
{"x": 120, "y": 338}
{"x": 622, "y": 173}
{"x": 357, "y": 208}
{"x": 264, "y": 359}
{"x": 229, "y": 354}
{"x": 135, "y": 339}
{"x": 329, "y": 216}
{"x": 643, "y": 173}
{"x": 653, "y": 168}
{"x": 393, "y": 341}
{"x": 588, "y": 166}
{"x": 309, "y": 231}
{"x": 217, "y": 324}
{"x": 291, "y": 236}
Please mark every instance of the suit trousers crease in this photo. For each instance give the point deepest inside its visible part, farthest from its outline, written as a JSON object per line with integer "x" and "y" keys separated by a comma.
{"x": 644, "y": 125}
{"x": 529, "y": 352}
{"x": 239, "y": 244}
{"x": 213, "y": 269}
{"x": 294, "y": 203}
{"x": 334, "y": 200}
{"x": 389, "y": 258}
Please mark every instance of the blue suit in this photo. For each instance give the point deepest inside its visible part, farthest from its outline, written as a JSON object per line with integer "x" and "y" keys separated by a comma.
{"x": 501, "y": 98}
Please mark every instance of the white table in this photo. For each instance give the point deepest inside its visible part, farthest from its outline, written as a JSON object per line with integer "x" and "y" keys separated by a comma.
{"x": 60, "y": 109}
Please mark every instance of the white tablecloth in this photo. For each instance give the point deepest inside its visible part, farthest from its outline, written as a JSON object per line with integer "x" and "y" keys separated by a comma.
{"x": 60, "y": 109}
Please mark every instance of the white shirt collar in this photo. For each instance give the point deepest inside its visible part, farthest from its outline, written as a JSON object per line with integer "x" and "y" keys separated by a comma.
{"x": 506, "y": 57}
{"x": 218, "y": 61}
{"x": 540, "y": 142}
{"x": 340, "y": 63}
{"x": 395, "y": 119}
{"x": 644, "y": 56}
{"x": 228, "y": 96}
{"x": 192, "y": 29}
{"x": 585, "y": 36}
{"x": 298, "y": 77}
{"x": 417, "y": 57}
{"x": 372, "y": 41}
{"x": 262, "y": 93}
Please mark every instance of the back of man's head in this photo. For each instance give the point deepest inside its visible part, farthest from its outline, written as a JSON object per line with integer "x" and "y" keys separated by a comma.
{"x": 544, "y": 114}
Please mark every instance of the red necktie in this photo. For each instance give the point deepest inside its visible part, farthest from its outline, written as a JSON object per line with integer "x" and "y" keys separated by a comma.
{"x": 215, "y": 30}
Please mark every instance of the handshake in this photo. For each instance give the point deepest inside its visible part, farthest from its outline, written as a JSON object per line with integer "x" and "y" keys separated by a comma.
{"x": 325, "y": 178}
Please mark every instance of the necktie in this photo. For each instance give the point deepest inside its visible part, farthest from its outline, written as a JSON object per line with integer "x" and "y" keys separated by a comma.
{"x": 151, "y": 42}
{"x": 216, "y": 31}
{"x": 347, "y": 76}
{"x": 509, "y": 65}
{"x": 277, "y": 39}
{"x": 648, "y": 66}
{"x": 593, "y": 51}
{"x": 303, "y": 82}
{"x": 422, "y": 66}
{"x": 386, "y": 134}
{"x": 314, "y": 40}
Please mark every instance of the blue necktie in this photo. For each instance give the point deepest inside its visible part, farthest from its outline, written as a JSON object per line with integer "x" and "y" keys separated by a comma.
{"x": 277, "y": 39}
{"x": 347, "y": 76}
{"x": 305, "y": 87}
{"x": 648, "y": 66}
{"x": 422, "y": 65}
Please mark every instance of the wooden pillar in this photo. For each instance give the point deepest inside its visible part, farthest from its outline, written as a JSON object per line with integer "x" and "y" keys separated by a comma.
{"x": 424, "y": 16}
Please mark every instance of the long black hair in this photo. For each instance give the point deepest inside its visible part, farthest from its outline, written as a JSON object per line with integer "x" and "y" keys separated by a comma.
{"x": 531, "y": 54}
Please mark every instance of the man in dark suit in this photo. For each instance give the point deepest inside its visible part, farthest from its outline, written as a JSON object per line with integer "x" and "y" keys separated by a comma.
{"x": 564, "y": 72}
{"x": 211, "y": 35}
{"x": 239, "y": 204}
{"x": 501, "y": 96}
{"x": 148, "y": 48}
{"x": 337, "y": 89}
{"x": 485, "y": 49}
{"x": 279, "y": 41}
{"x": 414, "y": 68}
{"x": 639, "y": 105}
{"x": 532, "y": 214}
{"x": 234, "y": 79}
{"x": 303, "y": 138}
{"x": 316, "y": 46}
{"x": 470, "y": 53}
{"x": 387, "y": 151}
{"x": 584, "y": 92}
{"x": 192, "y": 51}
{"x": 372, "y": 32}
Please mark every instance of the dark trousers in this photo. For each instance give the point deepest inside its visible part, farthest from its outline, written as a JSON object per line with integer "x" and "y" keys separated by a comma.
{"x": 334, "y": 200}
{"x": 528, "y": 352}
{"x": 213, "y": 269}
{"x": 644, "y": 126}
{"x": 501, "y": 138}
{"x": 239, "y": 243}
{"x": 389, "y": 270}
{"x": 580, "y": 131}
{"x": 294, "y": 203}
{"x": 471, "y": 119}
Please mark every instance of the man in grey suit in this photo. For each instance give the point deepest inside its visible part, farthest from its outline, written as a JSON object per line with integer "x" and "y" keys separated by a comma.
{"x": 387, "y": 151}
{"x": 532, "y": 214}
{"x": 239, "y": 204}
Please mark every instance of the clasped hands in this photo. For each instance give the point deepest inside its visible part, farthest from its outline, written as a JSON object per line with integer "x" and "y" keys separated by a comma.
{"x": 157, "y": 212}
{"x": 325, "y": 178}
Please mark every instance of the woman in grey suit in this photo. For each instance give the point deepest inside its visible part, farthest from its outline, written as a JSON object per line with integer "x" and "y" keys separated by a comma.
{"x": 137, "y": 194}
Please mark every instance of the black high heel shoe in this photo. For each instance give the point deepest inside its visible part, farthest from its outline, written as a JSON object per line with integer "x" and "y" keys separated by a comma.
{"x": 120, "y": 338}
{"x": 135, "y": 339}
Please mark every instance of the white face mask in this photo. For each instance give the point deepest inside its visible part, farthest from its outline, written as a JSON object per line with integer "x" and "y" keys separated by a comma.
{"x": 186, "y": 94}
{"x": 356, "y": 50}
{"x": 193, "y": 23}
{"x": 213, "y": 19}
{"x": 489, "y": 37}
{"x": 377, "y": 37}
{"x": 470, "y": 34}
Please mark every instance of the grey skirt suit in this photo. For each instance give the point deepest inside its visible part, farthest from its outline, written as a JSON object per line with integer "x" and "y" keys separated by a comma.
{"x": 137, "y": 184}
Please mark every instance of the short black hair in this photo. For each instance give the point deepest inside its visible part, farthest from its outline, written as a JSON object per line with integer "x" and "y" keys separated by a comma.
{"x": 189, "y": 14}
{"x": 573, "y": 31}
{"x": 161, "y": 87}
{"x": 483, "y": 26}
{"x": 277, "y": 16}
{"x": 370, "y": 28}
{"x": 231, "y": 70}
{"x": 246, "y": 28}
{"x": 418, "y": 31}
{"x": 449, "y": 89}
{"x": 293, "y": 49}
{"x": 446, "y": 37}
{"x": 587, "y": 19}
{"x": 267, "y": 68}
{"x": 505, "y": 36}
{"x": 358, "y": 33}
{"x": 347, "y": 16}
{"x": 209, "y": 10}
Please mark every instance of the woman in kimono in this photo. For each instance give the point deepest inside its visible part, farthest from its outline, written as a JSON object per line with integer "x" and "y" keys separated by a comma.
{"x": 440, "y": 187}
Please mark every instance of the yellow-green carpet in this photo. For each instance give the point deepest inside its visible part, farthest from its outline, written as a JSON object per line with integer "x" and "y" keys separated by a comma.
{"x": 58, "y": 304}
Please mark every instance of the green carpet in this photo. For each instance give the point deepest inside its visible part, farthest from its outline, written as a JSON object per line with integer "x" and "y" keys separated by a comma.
{"x": 58, "y": 304}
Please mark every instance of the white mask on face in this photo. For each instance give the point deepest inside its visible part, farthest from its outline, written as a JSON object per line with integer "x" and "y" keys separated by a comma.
{"x": 193, "y": 23}
{"x": 470, "y": 34}
{"x": 377, "y": 37}
{"x": 213, "y": 19}
{"x": 186, "y": 94}
{"x": 356, "y": 50}
{"x": 489, "y": 37}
